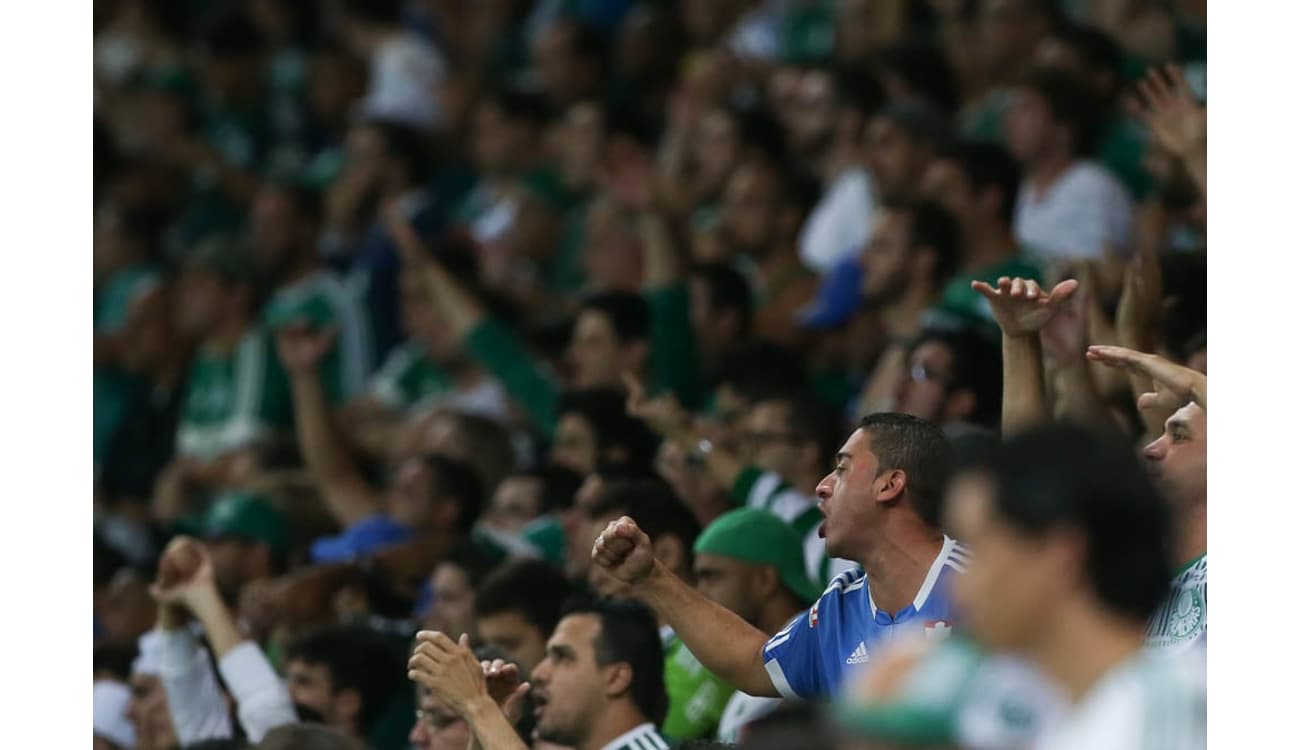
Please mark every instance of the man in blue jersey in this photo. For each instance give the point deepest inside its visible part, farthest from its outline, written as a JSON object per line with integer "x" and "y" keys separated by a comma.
{"x": 891, "y": 465}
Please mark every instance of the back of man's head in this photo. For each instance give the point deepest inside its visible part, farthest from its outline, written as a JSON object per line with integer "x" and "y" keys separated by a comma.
{"x": 916, "y": 447}
{"x": 357, "y": 659}
{"x": 307, "y": 737}
{"x": 1068, "y": 476}
{"x": 989, "y": 166}
{"x": 482, "y": 443}
{"x": 534, "y": 588}
{"x": 629, "y": 633}
{"x": 931, "y": 226}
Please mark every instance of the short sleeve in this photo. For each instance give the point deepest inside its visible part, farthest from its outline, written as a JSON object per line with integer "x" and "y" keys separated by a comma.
{"x": 793, "y": 659}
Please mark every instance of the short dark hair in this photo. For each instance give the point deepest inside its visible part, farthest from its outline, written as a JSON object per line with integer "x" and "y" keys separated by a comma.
{"x": 915, "y": 446}
{"x": 519, "y": 104}
{"x": 654, "y": 506}
{"x": 307, "y": 201}
{"x": 587, "y": 43}
{"x": 477, "y": 562}
{"x": 925, "y": 69}
{"x": 1070, "y": 101}
{"x": 1069, "y": 475}
{"x": 1098, "y": 51}
{"x": 407, "y": 145}
{"x": 233, "y": 34}
{"x": 988, "y": 165}
{"x": 976, "y": 366}
{"x": 932, "y": 226}
{"x": 810, "y": 419}
{"x": 487, "y": 444}
{"x": 459, "y": 480}
{"x": 533, "y": 588}
{"x": 357, "y": 658}
{"x": 629, "y": 633}
{"x": 758, "y": 368}
{"x": 383, "y": 12}
{"x": 628, "y": 313}
{"x": 857, "y": 89}
{"x": 727, "y": 290}
{"x": 306, "y": 737}
{"x": 605, "y": 410}
{"x": 559, "y": 485}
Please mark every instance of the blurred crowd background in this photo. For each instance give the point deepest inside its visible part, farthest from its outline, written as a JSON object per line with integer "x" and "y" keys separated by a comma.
{"x": 399, "y": 303}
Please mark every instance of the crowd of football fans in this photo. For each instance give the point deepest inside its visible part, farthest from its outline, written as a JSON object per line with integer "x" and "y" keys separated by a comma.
{"x": 607, "y": 374}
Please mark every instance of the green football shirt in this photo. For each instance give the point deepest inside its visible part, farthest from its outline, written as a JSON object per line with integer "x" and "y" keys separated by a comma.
{"x": 696, "y": 697}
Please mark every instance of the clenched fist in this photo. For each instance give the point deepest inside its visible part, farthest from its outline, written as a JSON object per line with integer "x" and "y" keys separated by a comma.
{"x": 624, "y": 551}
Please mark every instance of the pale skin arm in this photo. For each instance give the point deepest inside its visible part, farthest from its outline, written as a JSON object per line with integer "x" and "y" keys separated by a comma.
{"x": 461, "y": 312}
{"x": 348, "y": 496}
{"x": 724, "y": 643}
{"x": 1022, "y": 309}
{"x": 1176, "y": 120}
{"x": 1173, "y": 383}
{"x": 1064, "y": 339}
{"x": 197, "y": 593}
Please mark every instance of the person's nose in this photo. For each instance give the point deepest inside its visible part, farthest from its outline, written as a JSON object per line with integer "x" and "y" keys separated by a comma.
{"x": 826, "y": 487}
{"x": 1155, "y": 450}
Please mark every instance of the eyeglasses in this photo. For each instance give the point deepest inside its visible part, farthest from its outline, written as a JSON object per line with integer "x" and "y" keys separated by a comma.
{"x": 435, "y": 720}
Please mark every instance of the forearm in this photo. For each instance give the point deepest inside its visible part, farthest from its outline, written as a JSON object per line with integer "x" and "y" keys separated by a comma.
{"x": 1078, "y": 398}
{"x": 218, "y": 623}
{"x": 724, "y": 643}
{"x": 1024, "y": 403}
{"x": 492, "y": 730}
{"x": 263, "y": 702}
{"x": 346, "y": 494}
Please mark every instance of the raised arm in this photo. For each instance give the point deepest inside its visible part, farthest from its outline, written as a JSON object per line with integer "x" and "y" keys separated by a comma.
{"x": 1021, "y": 309}
{"x": 348, "y": 496}
{"x": 666, "y": 416}
{"x": 1065, "y": 339}
{"x": 1173, "y": 384}
{"x": 1175, "y": 119}
{"x": 723, "y": 642}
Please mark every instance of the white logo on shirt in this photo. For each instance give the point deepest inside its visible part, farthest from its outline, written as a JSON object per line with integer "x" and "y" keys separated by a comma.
{"x": 859, "y": 655}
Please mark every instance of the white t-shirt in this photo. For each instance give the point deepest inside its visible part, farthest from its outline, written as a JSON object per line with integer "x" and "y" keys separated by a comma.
{"x": 840, "y": 224}
{"x": 1077, "y": 216}
{"x": 404, "y": 76}
{"x": 1149, "y": 702}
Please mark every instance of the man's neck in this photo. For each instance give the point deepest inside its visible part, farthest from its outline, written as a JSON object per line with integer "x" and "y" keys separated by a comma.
{"x": 777, "y": 614}
{"x": 988, "y": 244}
{"x": 899, "y": 560}
{"x": 902, "y": 317}
{"x": 617, "y": 719}
{"x": 1043, "y": 173}
{"x": 1084, "y": 644}
{"x": 1191, "y": 540}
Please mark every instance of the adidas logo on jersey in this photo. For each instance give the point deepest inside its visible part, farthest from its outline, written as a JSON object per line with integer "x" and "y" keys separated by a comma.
{"x": 859, "y": 655}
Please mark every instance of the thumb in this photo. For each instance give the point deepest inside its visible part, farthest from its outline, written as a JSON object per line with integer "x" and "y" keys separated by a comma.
{"x": 464, "y": 640}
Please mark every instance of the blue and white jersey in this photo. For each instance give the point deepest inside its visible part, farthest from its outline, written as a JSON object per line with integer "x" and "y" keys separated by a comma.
{"x": 816, "y": 652}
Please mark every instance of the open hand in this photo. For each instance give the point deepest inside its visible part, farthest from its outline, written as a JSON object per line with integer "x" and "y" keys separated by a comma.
{"x": 623, "y": 550}
{"x": 1175, "y": 385}
{"x": 1021, "y": 307}
{"x": 448, "y": 669}
{"x": 1166, "y": 105}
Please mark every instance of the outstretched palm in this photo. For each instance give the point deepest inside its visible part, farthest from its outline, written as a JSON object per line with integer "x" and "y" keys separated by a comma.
{"x": 1021, "y": 307}
{"x": 1167, "y": 107}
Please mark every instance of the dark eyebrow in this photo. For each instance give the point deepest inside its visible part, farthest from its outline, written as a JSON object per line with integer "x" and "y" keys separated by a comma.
{"x": 1179, "y": 424}
{"x": 561, "y": 650}
{"x": 842, "y": 456}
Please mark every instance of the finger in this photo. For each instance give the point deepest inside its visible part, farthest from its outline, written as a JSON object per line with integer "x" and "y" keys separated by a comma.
{"x": 1018, "y": 287}
{"x": 635, "y": 391}
{"x": 1063, "y": 290}
{"x": 464, "y": 641}
{"x": 983, "y": 288}
{"x": 424, "y": 665}
{"x": 1004, "y": 284}
{"x": 1032, "y": 290}
{"x": 1148, "y": 401}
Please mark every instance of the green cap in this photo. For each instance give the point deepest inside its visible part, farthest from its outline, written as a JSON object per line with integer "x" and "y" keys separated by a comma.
{"x": 952, "y": 693}
{"x": 225, "y": 256}
{"x": 248, "y": 517}
{"x": 756, "y": 536}
{"x": 169, "y": 80}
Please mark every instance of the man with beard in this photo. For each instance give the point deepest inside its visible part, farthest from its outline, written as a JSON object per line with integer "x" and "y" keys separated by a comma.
{"x": 600, "y": 687}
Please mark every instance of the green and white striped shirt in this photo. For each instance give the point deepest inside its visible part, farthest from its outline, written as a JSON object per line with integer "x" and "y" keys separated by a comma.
{"x": 766, "y": 490}
{"x": 233, "y": 400}
{"x": 1179, "y": 623}
{"x": 643, "y": 737}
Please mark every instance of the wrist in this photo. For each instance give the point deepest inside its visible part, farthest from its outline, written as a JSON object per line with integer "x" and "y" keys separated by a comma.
{"x": 205, "y": 602}
{"x": 478, "y": 708}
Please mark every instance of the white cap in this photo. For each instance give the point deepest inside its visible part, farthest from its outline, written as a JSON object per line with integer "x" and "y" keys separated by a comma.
{"x": 109, "y": 719}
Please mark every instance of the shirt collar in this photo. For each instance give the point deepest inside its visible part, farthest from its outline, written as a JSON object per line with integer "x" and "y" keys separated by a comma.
{"x": 642, "y": 737}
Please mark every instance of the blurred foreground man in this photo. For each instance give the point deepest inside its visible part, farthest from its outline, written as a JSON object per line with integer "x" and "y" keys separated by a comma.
{"x": 1071, "y": 540}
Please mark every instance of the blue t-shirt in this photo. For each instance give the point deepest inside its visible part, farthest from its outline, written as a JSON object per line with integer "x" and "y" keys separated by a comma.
{"x": 813, "y": 655}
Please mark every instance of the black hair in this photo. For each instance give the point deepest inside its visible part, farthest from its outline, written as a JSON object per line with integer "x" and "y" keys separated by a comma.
{"x": 810, "y": 419}
{"x": 857, "y": 89}
{"x": 1070, "y": 101}
{"x": 1066, "y": 475}
{"x": 727, "y": 290}
{"x": 759, "y": 131}
{"x": 459, "y": 480}
{"x": 487, "y": 446}
{"x": 358, "y": 659}
{"x": 407, "y": 145}
{"x": 114, "y": 659}
{"x": 628, "y": 313}
{"x": 533, "y": 588}
{"x": 987, "y": 165}
{"x": 920, "y": 120}
{"x": 519, "y": 104}
{"x": 1098, "y": 51}
{"x": 620, "y": 439}
{"x": 629, "y": 633}
{"x": 976, "y": 366}
{"x": 915, "y": 446}
{"x": 382, "y": 12}
{"x": 654, "y": 507}
{"x": 932, "y": 226}
{"x": 758, "y": 368}
{"x": 476, "y": 561}
{"x": 925, "y": 69}
{"x": 559, "y": 485}
{"x": 587, "y": 42}
{"x": 233, "y": 34}
{"x": 307, "y": 201}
